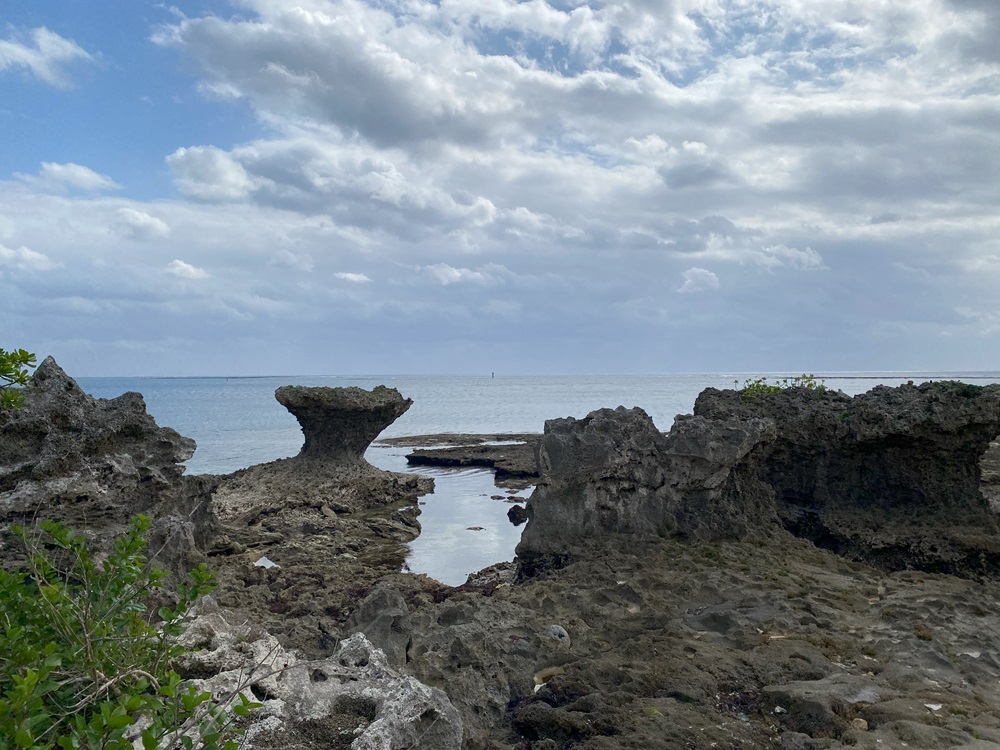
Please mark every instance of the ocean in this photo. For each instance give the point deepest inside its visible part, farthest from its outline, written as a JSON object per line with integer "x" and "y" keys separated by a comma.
{"x": 237, "y": 423}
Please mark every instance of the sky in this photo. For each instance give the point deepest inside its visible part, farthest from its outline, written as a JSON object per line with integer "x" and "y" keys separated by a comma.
{"x": 265, "y": 187}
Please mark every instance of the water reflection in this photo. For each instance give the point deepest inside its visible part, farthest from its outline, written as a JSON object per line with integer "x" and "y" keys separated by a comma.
{"x": 463, "y": 529}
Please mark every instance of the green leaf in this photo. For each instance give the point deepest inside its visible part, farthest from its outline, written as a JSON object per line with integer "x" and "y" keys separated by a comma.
{"x": 23, "y": 738}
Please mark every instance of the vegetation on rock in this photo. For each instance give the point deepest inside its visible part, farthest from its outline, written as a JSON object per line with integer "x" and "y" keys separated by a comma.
{"x": 752, "y": 388}
{"x": 82, "y": 662}
{"x": 13, "y": 374}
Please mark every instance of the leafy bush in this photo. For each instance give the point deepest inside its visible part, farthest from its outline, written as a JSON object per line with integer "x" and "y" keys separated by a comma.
{"x": 82, "y": 664}
{"x": 753, "y": 388}
{"x": 13, "y": 373}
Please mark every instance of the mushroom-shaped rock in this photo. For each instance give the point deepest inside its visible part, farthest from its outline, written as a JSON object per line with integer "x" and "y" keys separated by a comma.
{"x": 340, "y": 423}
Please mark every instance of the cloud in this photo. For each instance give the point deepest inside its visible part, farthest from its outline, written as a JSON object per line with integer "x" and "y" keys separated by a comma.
{"x": 354, "y": 278}
{"x": 42, "y": 53}
{"x": 139, "y": 225}
{"x": 533, "y": 175}
{"x": 790, "y": 257}
{"x": 25, "y": 259}
{"x": 446, "y": 275}
{"x": 210, "y": 174}
{"x": 698, "y": 280}
{"x": 183, "y": 270}
{"x": 59, "y": 177}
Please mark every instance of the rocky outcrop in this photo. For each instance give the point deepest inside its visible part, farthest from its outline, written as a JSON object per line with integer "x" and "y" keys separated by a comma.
{"x": 332, "y": 523}
{"x": 352, "y": 699}
{"x": 330, "y": 471}
{"x": 890, "y": 477}
{"x": 668, "y": 643}
{"x": 94, "y": 463}
{"x": 613, "y": 472}
{"x": 340, "y": 423}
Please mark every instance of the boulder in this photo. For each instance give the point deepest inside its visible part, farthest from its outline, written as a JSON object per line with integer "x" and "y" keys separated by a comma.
{"x": 340, "y": 423}
{"x": 93, "y": 463}
{"x": 890, "y": 477}
{"x": 614, "y": 472}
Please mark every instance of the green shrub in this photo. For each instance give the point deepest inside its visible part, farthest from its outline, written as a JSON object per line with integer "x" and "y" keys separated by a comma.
{"x": 752, "y": 388}
{"x": 13, "y": 374}
{"x": 82, "y": 664}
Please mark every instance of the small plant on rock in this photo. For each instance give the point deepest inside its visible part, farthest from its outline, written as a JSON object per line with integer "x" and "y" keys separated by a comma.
{"x": 760, "y": 386}
{"x": 13, "y": 375}
{"x": 82, "y": 663}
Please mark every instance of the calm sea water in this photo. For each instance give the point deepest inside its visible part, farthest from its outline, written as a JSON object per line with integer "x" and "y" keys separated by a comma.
{"x": 236, "y": 423}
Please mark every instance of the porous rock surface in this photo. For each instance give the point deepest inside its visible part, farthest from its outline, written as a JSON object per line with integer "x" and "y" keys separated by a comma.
{"x": 94, "y": 463}
{"x": 614, "y": 472}
{"x": 340, "y": 423}
{"x": 351, "y": 699}
{"x": 667, "y": 643}
{"x": 330, "y": 522}
{"x": 891, "y": 477}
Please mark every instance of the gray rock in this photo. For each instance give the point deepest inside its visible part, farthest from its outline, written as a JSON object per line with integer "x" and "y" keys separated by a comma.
{"x": 384, "y": 618}
{"x": 613, "y": 472}
{"x": 821, "y": 708}
{"x": 890, "y": 477}
{"x": 340, "y": 423}
{"x": 399, "y": 711}
{"x": 94, "y": 463}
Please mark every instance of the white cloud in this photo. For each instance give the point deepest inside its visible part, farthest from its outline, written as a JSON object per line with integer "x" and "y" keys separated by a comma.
{"x": 208, "y": 173}
{"x": 552, "y": 164}
{"x": 354, "y": 278}
{"x": 782, "y": 255}
{"x": 53, "y": 176}
{"x": 988, "y": 320}
{"x": 698, "y": 280}
{"x": 446, "y": 275}
{"x": 139, "y": 225}
{"x": 183, "y": 270}
{"x": 43, "y": 53}
{"x": 25, "y": 259}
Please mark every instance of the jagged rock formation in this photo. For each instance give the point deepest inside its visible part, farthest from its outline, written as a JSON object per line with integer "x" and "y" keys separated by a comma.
{"x": 340, "y": 423}
{"x": 94, "y": 463}
{"x": 613, "y": 472}
{"x": 891, "y": 477}
{"x": 353, "y": 695}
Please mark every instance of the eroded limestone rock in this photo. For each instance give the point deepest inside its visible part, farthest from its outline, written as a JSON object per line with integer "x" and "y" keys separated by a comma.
{"x": 340, "y": 423}
{"x": 891, "y": 477}
{"x": 332, "y": 522}
{"x": 94, "y": 463}
{"x": 613, "y": 472}
{"x": 385, "y": 710}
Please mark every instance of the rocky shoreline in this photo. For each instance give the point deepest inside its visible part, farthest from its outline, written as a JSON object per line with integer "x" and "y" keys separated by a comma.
{"x": 800, "y": 570}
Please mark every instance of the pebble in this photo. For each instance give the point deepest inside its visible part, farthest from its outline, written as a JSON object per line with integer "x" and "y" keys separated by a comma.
{"x": 558, "y": 632}
{"x": 859, "y": 724}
